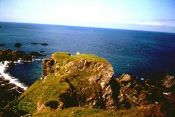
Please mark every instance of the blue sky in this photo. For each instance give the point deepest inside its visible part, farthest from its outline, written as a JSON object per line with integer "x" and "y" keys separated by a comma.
{"x": 128, "y": 14}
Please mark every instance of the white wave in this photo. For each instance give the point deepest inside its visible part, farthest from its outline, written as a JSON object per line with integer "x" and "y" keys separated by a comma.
{"x": 20, "y": 61}
{"x": 3, "y": 67}
{"x": 142, "y": 79}
{"x": 167, "y": 93}
{"x": 38, "y": 59}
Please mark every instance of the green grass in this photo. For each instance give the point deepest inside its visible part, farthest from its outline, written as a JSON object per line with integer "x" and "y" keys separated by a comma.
{"x": 65, "y": 56}
{"x": 42, "y": 92}
{"x": 53, "y": 86}
{"x": 61, "y": 57}
{"x": 89, "y": 57}
{"x": 91, "y": 112}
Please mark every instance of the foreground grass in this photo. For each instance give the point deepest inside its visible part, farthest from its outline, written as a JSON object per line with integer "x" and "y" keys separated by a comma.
{"x": 91, "y": 112}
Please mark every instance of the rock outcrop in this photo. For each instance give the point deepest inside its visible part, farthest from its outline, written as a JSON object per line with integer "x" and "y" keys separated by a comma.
{"x": 44, "y": 44}
{"x": 2, "y": 44}
{"x": 88, "y": 81}
{"x": 135, "y": 92}
{"x": 13, "y": 55}
{"x": 132, "y": 93}
{"x": 168, "y": 83}
{"x": 71, "y": 81}
{"x": 17, "y": 45}
{"x": 8, "y": 92}
{"x": 47, "y": 67}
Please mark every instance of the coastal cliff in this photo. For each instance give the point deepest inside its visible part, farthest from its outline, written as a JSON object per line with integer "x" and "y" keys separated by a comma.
{"x": 69, "y": 81}
{"x": 84, "y": 84}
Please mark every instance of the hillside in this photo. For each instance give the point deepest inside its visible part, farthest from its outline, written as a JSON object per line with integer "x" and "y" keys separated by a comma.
{"x": 85, "y": 85}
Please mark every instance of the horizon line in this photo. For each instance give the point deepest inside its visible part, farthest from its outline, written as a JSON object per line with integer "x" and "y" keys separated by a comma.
{"x": 98, "y": 27}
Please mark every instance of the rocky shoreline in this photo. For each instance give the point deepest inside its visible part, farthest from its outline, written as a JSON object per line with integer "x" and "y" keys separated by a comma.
{"x": 88, "y": 81}
{"x": 14, "y": 55}
{"x": 9, "y": 92}
{"x": 10, "y": 87}
{"x": 141, "y": 93}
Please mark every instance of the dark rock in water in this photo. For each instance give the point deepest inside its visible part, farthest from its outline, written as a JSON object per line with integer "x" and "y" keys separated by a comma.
{"x": 10, "y": 55}
{"x": 13, "y": 55}
{"x": 5, "y": 55}
{"x": 20, "y": 89}
{"x": 17, "y": 45}
{"x": 8, "y": 92}
{"x": 34, "y": 43}
{"x": 19, "y": 54}
{"x": 36, "y": 54}
{"x": 44, "y": 44}
{"x": 41, "y": 51}
{"x": 12, "y": 87}
{"x": 5, "y": 81}
{"x": 1, "y": 44}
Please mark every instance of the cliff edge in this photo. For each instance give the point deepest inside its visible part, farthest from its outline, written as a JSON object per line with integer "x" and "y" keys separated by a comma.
{"x": 85, "y": 85}
{"x": 70, "y": 81}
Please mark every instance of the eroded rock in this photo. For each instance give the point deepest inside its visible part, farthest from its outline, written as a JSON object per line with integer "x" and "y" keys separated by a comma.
{"x": 13, "y": 55}
{"x": 1, "y": 44}
{"x": 86, "y": 80}
{"x": 17, "y": 45}
{"x": 44, "y": 44}
{"x": 72, "y": 80}
{"x": 47, "y": 67}
{"x": 10, "y": 55}
{"x": 36, "y": 54}
{"x": 34, "y": 43}
{"x": 169, "y": 82}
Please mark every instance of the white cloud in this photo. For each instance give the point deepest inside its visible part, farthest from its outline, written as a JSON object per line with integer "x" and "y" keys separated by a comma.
{"x": 166, "y": 23}
{"x": 158, "y": 23}
{"x": 150, "y": 23}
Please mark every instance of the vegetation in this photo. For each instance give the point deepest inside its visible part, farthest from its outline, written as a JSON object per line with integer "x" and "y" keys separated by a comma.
{"x": 69, "y": 90}
{"x": 42, "y": 92}
{"x": 92, "y": 112}
{"x": 60, "y": 56}
{"x": 66, "y": 86}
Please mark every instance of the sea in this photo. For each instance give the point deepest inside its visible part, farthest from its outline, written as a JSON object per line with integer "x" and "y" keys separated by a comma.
{"x": 144, "y": 54}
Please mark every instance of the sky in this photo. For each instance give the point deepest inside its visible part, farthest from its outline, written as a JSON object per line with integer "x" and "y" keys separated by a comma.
{"x": 155, "y": 15}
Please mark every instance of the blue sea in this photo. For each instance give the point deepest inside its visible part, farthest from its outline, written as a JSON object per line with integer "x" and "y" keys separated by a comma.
{"x": 140, "y": 53}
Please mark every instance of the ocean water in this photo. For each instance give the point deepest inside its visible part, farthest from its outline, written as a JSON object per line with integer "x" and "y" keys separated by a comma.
{"x": 143, "y": 54}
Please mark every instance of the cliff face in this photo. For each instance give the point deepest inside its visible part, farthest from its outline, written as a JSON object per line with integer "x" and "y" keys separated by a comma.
{"x": 75, "y": 83}
{"x": 70, "y": 81}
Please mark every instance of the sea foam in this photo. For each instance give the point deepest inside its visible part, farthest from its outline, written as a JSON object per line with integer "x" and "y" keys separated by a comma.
{"x": 3, "y": 68}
